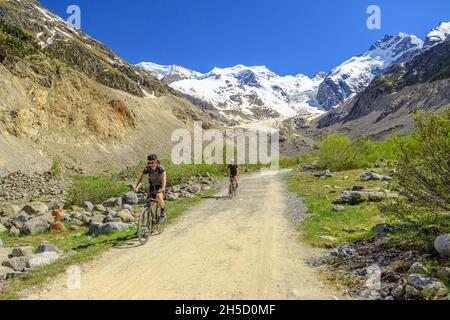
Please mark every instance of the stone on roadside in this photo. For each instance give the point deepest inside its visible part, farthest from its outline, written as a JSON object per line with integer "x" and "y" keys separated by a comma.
{"x": 113, "y": 202}
{"x": 100, "y": 208}
{"x": 46, "y": 246}
{"x": 19, "y": 220}
{"x": 36, "y": 225}
{"x": 5, "y": 253}
{"x": 6, "y": 273}
{"x": 35, "y": 208}
{"x": 338, "y": 208}
{"x": 369, "y": 176}
{"x": 9, "y": 210}
{"x": 351, "y": 197}
{"x": 17, "y": 264}
{"x": 88, "y": 206}
{"x": 130, "y": 198}
{"x": 95, "y": 228}
{"x": 442, "y": 245}
{"x": 114, "y": 226}
{"x": 22, "y": 251}
{"x": 3, "y": 228}
{"x": 381, "y": 230}
{"x": 128, "y": 207}
{"x": 376, "y": 196}
{"x": 417, "y": 267}
{"x": 14, "y": 232}
{"x": 328, "y": 238}
{"x": 97, "y": 218}
{"x": 125, "y": 216}
{"x": 42, "y": 259}
{"x": 421, "y": 283}
{"x": 55, "y": 204}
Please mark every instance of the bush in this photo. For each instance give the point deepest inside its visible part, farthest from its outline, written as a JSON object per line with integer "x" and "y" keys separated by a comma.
{"x": 56, "y": 168}
{"x": 95, "y": 189}
{"x": 423, "y": 168}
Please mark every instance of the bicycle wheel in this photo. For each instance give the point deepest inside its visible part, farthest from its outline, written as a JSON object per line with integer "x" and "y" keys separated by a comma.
{"x": 161, "y": 222}
{"x": 231, "y": 191}
{"x": 144, "y": 225}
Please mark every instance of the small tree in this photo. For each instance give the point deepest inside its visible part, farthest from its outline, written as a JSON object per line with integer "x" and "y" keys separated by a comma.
{"x": 423, "y": 167}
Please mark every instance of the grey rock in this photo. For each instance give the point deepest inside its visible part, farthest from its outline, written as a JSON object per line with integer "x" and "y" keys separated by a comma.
{"x": 376, "y": 196}
{"x": 6, "y": 273}
{"x": 130, "y": 198}
{"x": 128, "y": 207}
{"x": 338, "y": 208}
{"x": 345, "y": 251}
{"x": 42, "y": 259}
{"x": 114, "y": 226}
{"x": 328, "y": 238}
{"x": 17, "y": 264}
{"x": 398, "y": 292}
{"x": 36, "y": 225}
{"x": 421, "y": 283}
{"x": 5, "y": 253}
{"x": 417, "y": 267}
{"x": 350, "y": 197}
{"x": 381, "y": 231}
{"x": 35, "y": 208}
{"x": 20, "y": 220}
{"x": 9, "y": 210}
{"x": 46, "y": 246}
{"x": 369, "y": 176}
{"x": 443, "y": 273}
{"x": 323, "y": 174}
{"x": 86, "y": 205}
{"x": 411, "y": 292}
{"x": 14, "y": 232}
{"x": 3, "y": 228}
{"x": 100, "y": 208}
{"x": 442, "y": 245}
{"x": 97, "y": 218}
{"x": 22, "y": 251}
{"x": 113, "y": 202}
{"x": 95, "y": 228}
{"x": 125, "y": 216}
{"x": 55, "y": 204}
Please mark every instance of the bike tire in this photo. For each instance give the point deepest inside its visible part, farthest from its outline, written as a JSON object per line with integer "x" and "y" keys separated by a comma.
{"x": 161, "y": 222}
{"x": 144, "y": 225}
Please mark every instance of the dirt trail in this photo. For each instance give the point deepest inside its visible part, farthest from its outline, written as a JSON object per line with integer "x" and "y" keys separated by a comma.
{"x": 245, "y": 248}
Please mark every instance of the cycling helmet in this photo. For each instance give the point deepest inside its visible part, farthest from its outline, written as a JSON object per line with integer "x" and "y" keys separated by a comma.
{"x": 152, "y": 157}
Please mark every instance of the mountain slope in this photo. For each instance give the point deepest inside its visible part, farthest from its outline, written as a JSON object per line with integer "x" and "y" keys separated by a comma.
{"x": 65, "y": 96}
{"x": 355, "y": 74}
{"x": 386, "y": 105}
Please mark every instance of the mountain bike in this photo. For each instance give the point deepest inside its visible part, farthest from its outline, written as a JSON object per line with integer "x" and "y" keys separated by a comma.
{"x": 232, "y": 189}
{"x": 150, "y": 219}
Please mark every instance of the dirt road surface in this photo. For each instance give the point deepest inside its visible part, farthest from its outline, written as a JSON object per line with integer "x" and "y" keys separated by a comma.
{"x": 245, "y": 248}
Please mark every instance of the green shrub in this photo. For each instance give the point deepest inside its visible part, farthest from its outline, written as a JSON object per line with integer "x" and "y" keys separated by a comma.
{"x": 423, "y": 169}
{"x": 95, "y": 189}
{"x": 56, "y": 168}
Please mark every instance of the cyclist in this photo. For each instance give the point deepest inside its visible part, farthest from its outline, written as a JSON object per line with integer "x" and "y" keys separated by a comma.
{"x": 157, "y": 178}
{"x": 233, "y": 172}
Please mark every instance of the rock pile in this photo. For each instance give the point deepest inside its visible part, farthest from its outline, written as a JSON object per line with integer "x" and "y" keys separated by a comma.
{"x": 23, "y": 186}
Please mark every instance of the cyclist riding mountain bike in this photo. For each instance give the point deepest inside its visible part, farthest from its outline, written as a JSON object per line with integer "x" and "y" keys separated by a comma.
{"x": 233, "y": 172}
{"x": 157, "y": 178}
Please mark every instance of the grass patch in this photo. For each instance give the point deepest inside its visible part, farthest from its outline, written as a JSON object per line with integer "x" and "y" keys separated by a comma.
{"x": 95, "y": 189}
{"x": 323, "y": 221}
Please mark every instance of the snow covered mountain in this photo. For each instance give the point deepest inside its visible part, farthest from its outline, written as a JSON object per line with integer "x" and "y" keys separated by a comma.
{"x": 438, "y": 34}
{"x": 256, "y": 93}
{"x": 245, "y": 93}
{"x": 355, "y": 74}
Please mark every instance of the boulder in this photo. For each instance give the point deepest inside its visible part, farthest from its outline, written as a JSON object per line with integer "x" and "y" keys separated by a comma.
{"x": 14, "y": 232}
{"x": 411, "y": 292}
{"x": 114, "y": 226}
{"x": 22, "y": 251}
{"x": 442, "y": 245}
{"x": 421, "y": 283}
{"x": 17, "y": 264}
{"x": 97, "y": 218}
{"x": 6, "y": 273}
{"x": 338, "y": 208}
{"x": 351, "y": 197}
{"x": 443, "y": 273}
{"x": 381, "y": 231}
{"x": 36, "y": 225}
{"x": 19, "y": 220}
{"x": 323, "y": 174}
{"x": 55, "y": 204}
{"x": 100, "y": 208}
{"x": 417, "y": 267}
{"x": 398, "y": 292}
{"x": 176, "y": 189}
{"x": 328, "y": 238}
{"x": 113, "y": 202}
{"x": 42, "y": 259}
{"x": 46, "y": 246}
{"x": 5, "y": 253}
{"x": 125, "y": 216}
{"x": 128, "y": 207}
{"x": 3, "y": 228}
{"x": 88, "y": 206}
{"x": 9, "y": 210}
{"x": 35, "y": 208}
{"x": 130, "y": 198}
{"x": 95, "y": 228}
{"x": 376, "y": 196}
{"x": 369, "y": 176}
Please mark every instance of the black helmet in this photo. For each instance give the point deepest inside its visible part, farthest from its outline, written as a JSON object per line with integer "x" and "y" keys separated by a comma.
{"x": 152, "y": 157}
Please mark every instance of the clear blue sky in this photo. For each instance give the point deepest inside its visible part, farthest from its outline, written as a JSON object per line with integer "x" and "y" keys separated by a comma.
{"x": 288, "y": 36}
